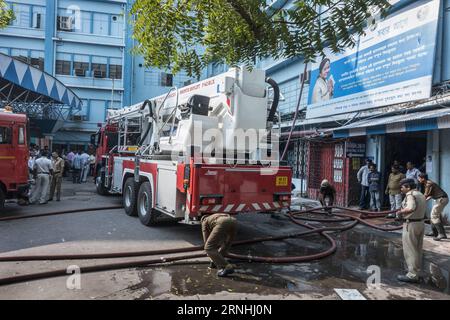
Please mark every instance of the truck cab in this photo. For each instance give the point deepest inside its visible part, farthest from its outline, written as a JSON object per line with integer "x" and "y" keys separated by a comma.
{"x": 14, "y": 156}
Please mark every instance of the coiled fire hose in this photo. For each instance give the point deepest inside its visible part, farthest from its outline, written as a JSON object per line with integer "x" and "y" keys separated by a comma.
{"x": 293, "y": 216}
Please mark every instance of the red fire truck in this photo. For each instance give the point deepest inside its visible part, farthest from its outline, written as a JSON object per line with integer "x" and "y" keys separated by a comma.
{"x": 204, "y": 148}
{"x": 13, "y": 156}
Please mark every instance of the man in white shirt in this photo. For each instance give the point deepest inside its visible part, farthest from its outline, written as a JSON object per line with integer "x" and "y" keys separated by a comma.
{"x": 362, "y": 176}
{"x": 84, "y": 166}
{"x": 42, "y": 170}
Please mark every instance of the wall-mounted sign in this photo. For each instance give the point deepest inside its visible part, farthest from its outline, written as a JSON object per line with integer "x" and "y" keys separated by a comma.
{"x": 355, "y": 150}
{"x": 392, "y": 63}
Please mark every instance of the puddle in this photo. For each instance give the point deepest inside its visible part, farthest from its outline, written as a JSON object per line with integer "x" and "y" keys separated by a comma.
{"x": 357, "y": 250}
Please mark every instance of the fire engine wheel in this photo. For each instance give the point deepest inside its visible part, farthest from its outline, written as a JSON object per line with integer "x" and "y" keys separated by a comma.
{"x": 146, "y": 214}
{"x": 101, "y": 190}
{"x": 129, "y": 197}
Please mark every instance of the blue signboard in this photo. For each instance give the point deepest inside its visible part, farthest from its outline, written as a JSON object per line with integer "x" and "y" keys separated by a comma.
{"x": 392, "y": 63}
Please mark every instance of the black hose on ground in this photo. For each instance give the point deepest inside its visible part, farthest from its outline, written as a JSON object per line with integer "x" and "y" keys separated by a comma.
{"x": 60, "y": 212}
{"x": 132, "y": 264}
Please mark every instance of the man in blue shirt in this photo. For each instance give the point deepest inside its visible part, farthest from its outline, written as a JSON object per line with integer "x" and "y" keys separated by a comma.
{"x": 76, "y": 167}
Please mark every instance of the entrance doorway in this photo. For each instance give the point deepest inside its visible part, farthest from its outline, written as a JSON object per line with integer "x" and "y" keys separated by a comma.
{"x": 405, "y": 147}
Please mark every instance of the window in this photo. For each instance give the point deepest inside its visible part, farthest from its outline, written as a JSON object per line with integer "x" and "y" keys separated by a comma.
{"x": 39, "y": 18}
{"x": 84, "y": 25}
{"x": 20, "y": 54}
{"x": 83, "y": 114}
{"x": 22, "y": 14}
{"x": 99, "y": 67}
{"x": 80, "y": 65}
{"x": 21, "y": 135}
{"x": 63, "y": 67}
{"x": 5, "y": 135}
{"x": 63, "y": 63}
{"x": 166, "y": 79}
{"x": 115, "y": 68}
{"x": 101, "y": 22}
{"x": 37, "y": 59}
{"x": 116, "y": 25}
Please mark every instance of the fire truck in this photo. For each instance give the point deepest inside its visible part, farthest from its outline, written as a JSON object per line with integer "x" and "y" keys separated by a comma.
{"x": 205, "y": 148}
{"x": 13, "y": 156}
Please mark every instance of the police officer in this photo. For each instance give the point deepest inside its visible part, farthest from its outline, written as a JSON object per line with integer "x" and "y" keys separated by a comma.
{"x": 440, "y": 197}
{"x": 58, "y": 169}
{"x": 219, "y": 230}
{"x": 41, "y": 172}
{"x": 412, "y": 214}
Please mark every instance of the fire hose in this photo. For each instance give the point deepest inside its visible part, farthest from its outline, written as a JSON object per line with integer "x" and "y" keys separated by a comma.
{"x": 293, "y": 216}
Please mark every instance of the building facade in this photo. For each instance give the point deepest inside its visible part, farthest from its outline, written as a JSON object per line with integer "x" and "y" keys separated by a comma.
{"x": 334, "y": 146}
{"x": 86, "y": 44}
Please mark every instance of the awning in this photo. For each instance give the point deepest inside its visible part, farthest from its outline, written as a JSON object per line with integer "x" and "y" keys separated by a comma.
{"x": 36, "y": 82}
{"x": 410, "y": 122}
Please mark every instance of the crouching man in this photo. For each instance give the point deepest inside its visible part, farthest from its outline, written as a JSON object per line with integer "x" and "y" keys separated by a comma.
{"x": 412, "y": 214}
{"x": 327, "y": 194}
{"x": 219, "y": 230}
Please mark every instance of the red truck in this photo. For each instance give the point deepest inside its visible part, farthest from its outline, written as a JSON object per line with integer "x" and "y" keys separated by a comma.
{"x": 13, "y": 156}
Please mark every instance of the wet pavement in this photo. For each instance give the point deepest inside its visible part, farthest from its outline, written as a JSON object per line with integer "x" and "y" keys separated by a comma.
{"x": 359, "y": 251}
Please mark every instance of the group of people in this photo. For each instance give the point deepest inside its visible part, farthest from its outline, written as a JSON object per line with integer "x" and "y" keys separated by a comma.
{"x": 370, "y": 180}
{"x": 47, "y": 172}
{"x": 48, "y": 168}
{"x": 82, "y": 164}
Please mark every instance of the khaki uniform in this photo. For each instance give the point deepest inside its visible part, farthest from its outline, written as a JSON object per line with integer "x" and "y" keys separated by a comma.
{"x": 413, "y": 232}
{"x": 58, "y": 169}
{"x": 218, "y": 230}
{"x": 440, "y": 200}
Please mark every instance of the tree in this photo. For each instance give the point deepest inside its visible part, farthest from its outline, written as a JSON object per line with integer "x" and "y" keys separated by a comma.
{"x": 190, "y": 34}
{"x": 6, "y": 15}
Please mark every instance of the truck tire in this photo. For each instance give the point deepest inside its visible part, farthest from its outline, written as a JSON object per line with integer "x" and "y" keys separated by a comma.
{"x": 2, "y": 198}
{"x": 147, "y": 215}
{"x": 129, "y": 197}
{"x": 101, "y": 190}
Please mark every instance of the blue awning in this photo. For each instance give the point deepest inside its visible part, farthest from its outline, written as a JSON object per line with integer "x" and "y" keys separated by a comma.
{"x": 417, "y": 121}
{"x": 37, "y": 81}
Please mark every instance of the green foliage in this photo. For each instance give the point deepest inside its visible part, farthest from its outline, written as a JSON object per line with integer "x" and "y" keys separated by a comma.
{"x": 6, "y": 15}
{"x": 190, "y": 34}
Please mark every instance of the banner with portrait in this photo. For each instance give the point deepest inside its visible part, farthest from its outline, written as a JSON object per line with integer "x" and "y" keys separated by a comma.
{"x": 392, "y": 63}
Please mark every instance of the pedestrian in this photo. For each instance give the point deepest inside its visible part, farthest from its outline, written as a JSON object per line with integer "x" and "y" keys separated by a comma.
{"x": 84, "y": 166}
{"x": 91, "y": 164}
{"x": 327, "y": 194}
{"x": 393, "y": 188}
{"x": 58, "y": 169}
{"x": 440, "y": 197}
{"x": 76, "y": 168}
{"x": 70, "y": 157}
{"x": 362, "y": 179}
{"x": 412, "y": 172}
{"x": 42, "y": 171}
{"x": 219, "y": 230}
{"x": 412, "y": 214}
{"x": 399, "y": 165}
{"x": 374, "y": 180}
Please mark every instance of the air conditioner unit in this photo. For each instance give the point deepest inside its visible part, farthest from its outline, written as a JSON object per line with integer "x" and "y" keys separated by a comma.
{"x": 99, "y": 74}
{"x": 65, "y": 23}
{"x": 80, "y": 72}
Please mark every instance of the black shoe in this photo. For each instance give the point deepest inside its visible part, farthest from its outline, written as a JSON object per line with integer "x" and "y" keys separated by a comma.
{"x": 441, "y": 232}
{"x": 212, "y": 265}
{"x": 433, "y": 233}
{"x": 50, "y": 200}
{"x": 225, "y": 272}
{"x": 403, "y": 278}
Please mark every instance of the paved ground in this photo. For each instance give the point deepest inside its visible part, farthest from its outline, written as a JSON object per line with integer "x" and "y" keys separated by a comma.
{"x": 109, "y": 231}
